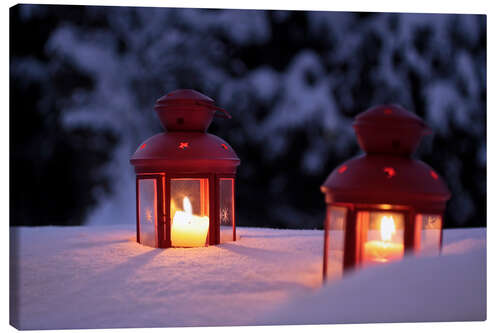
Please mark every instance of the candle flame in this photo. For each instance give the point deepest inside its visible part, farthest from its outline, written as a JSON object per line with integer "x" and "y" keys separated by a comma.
{"x": 387, "y": 228}
{"x": 187, "y": 206}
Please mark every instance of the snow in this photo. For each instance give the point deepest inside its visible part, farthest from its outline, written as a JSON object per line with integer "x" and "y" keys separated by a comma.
{"x": 447, "y": 288}
{"x": 99, "y": 277}
{"x": 423, "y": 293}
{"x": 305, "y": 103}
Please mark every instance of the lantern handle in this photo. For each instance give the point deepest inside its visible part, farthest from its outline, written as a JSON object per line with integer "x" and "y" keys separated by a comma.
{"x": 224, "y": 113}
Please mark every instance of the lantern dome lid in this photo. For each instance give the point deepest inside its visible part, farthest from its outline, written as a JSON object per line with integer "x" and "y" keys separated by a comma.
{"x": 387, "y": 174}
{"x": 386, "y": 179}
{"x": 185, "y": 152}
{"x": 187, "y": 110}
{"x": 183, "y": 96}
{"x": 388, "y": 115}
{"x": 185, "y": 148}
{"x": 389, "y": 129}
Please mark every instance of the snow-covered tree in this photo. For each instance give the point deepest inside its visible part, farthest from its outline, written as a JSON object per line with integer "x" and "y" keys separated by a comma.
{"x": 293, "y": 81}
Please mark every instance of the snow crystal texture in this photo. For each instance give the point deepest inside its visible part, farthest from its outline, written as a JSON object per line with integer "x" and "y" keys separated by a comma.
{"x": 99, "y": 277}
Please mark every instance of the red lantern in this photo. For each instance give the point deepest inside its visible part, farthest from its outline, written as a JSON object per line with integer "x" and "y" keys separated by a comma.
{"x": 384, "y": 204}
{"x": 185, "y": 176}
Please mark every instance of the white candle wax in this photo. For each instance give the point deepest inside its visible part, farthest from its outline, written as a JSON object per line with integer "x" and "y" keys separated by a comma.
{"x": 189, "y": 230}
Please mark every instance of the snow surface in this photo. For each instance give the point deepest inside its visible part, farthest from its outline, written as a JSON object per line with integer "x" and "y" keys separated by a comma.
{"x": 99, "y": 277}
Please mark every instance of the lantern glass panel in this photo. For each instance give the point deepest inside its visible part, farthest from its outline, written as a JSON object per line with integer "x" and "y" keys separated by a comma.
{"x": 429, "y": 226}
{"x": 226, "y": 213}
{"x": 147, "y": 212}
{"x": 189, "y": 211}
{"x": 336, "y": 233}
{"x": 381, "y": 236}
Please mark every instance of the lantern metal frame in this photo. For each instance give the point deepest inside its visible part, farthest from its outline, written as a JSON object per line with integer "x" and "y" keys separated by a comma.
{"x": 385, "y": 179}
{"x": 352, "y": 232}
{"x": 185, "y": 151}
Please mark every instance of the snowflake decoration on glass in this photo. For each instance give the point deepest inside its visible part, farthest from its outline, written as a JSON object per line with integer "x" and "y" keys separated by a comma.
{"x": 149, "y": 215}
{"x": 431, "y": 222}
{"x": 224, "y": 215}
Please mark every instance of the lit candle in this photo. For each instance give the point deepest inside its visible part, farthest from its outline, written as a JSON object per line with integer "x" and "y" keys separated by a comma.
{"x": 189, "y": 230}
{"x": 384, "y": 250}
